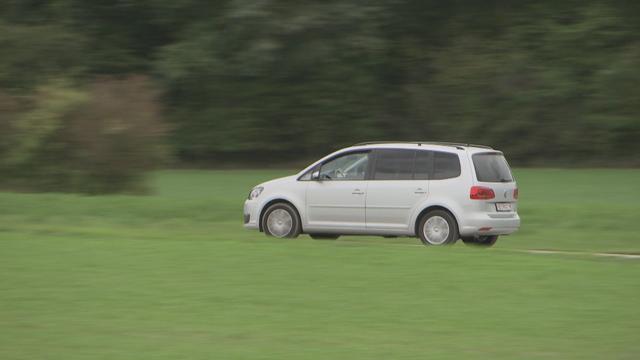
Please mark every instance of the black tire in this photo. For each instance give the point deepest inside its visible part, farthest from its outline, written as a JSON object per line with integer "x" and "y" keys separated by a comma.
{"x": 482, "y": 241}
{"x": 295, "y": 229}
{"x": 453, "y": 234}
{"x": 324, "y": 236}
{"x": 468, "y": 240}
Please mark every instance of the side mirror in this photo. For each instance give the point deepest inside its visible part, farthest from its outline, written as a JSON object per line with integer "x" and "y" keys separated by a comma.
{"x": 315, "y": 175}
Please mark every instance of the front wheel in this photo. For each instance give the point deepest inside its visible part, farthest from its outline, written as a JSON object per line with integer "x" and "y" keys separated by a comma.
{"x": 281, "y": 220}
{"x": 484, "y": 241}
{"x": 438, "y": 227}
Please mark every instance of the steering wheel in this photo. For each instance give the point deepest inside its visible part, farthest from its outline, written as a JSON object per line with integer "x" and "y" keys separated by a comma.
{"x": 340, "y": 173}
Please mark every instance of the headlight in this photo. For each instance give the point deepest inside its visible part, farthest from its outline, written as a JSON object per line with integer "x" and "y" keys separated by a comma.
{"x": 255, "y": 192}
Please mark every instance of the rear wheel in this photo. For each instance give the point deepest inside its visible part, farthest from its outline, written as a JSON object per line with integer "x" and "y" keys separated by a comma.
{"x": 438, "y": 227}
{"x": 324, "y": 236}
{"x": 281, "y": 220}
{"x": 484, "y": 241}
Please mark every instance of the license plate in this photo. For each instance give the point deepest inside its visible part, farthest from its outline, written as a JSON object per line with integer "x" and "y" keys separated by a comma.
{"x": 504, "y": 206}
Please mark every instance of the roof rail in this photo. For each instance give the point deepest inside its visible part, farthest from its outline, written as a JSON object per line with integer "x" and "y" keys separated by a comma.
{"x": 443, "y": 143}
{"x": 384, "y": 142}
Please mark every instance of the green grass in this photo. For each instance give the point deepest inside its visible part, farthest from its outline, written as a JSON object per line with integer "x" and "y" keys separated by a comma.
{"x": 174, "y": 275}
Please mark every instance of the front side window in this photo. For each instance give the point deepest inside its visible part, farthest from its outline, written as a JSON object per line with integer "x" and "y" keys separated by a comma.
{"x": 347, "y": 167}
{"x": 394, "y": 164}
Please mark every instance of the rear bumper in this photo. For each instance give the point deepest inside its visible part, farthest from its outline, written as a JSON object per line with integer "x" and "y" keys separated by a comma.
{"x": 491, "y": 224}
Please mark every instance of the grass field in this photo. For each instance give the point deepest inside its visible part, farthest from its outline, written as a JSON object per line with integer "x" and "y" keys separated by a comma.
{"x": 174, "y": 275}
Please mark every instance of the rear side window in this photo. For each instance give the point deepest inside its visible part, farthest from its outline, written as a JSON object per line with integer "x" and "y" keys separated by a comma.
{"x": 424, "y": 165}
{"x": 394, "y": 165}
{"x": 491, "y": 167}
{"x": 445, "y": 166}
{"x": 400, "y": 164}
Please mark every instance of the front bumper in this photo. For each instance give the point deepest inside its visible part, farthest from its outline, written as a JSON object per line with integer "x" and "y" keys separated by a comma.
{"x": 251, "y": 215}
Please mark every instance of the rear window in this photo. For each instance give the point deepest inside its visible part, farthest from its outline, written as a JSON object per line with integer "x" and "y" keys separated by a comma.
{"x": 492, "y": 167}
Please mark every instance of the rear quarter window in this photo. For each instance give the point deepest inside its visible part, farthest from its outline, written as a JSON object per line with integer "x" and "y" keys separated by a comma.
{"x": 445, "y": 165}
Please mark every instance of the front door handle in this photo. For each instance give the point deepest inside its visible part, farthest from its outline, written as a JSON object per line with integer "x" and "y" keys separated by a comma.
{"x": 358, "y": 192}
{"x": 419, "y": 191}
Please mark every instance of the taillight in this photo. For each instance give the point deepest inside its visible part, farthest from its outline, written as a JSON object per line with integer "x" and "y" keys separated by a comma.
{"x": 481, "y": 193}
{"x": 515, "y": 193}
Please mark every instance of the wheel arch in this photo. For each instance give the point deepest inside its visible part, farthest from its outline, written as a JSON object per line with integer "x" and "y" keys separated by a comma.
{"x": 427, "y": 209}
{"x": 275, "y": 201}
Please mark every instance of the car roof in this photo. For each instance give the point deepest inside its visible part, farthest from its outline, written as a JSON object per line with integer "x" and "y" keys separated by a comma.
{"x": 422, "y": 145}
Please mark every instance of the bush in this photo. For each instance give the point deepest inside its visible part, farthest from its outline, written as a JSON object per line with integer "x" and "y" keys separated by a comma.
{"x": 99, "y": 139}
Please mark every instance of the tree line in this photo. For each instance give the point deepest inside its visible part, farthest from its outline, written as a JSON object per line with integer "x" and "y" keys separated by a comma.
{"x": 551, "y": 83}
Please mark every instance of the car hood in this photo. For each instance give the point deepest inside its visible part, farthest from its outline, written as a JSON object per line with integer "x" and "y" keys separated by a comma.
{"x": 279, "y": 181}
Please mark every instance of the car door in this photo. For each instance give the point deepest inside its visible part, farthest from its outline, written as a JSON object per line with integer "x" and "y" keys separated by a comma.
{"x": 336, "y": 195}
{"x": 398, "y": 184}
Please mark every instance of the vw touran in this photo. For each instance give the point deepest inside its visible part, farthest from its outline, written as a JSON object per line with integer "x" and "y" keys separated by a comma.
{"x": 439, "y": 192}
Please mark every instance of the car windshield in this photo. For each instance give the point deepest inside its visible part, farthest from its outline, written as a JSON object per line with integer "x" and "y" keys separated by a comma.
{"x": 492, "y": 167}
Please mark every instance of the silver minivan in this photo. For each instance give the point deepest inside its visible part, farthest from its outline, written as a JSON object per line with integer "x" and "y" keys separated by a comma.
{"x": 439, "y": 192}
